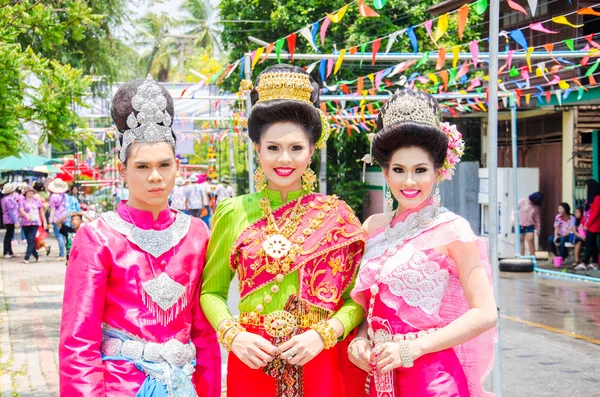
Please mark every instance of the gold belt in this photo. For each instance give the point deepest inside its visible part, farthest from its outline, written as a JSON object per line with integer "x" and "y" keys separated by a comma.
{"x": 281, "y": 323}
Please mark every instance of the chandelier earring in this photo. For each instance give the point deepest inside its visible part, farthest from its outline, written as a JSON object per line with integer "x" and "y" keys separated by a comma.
{"x": 260, "y": 179}
{"x": 309, "y": 179}
{"x": 389, "y": 200}
{"x": 437, "y": 199}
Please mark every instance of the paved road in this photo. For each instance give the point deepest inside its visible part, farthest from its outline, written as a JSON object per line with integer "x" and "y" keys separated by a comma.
{"x": 550, "y": 332}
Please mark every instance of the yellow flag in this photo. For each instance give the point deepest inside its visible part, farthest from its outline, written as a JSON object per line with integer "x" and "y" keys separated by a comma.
{"x": 563, "y": 85}
{"x": 259, "y": 52}
{"x": 539, "y": 72}
{"x": 335, "y": 18}
{"x": 527, "y": 98}
{"x": 528, "y": 56}
{"x": 433, "y": 78}
{"x": 563, "y": 21}
{"x": 455, "y": 52}
{"x": 339, "y": 61}
{"x": 442, "y": 26}
{"x": 372, "y": 78}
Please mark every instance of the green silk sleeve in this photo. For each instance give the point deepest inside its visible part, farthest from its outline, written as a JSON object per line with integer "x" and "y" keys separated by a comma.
{"x": 350, "y": 314}
{"x": 217, "y": 274}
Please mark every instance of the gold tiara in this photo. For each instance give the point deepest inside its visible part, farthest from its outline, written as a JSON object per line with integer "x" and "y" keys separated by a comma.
{"x": 283, "y": 85}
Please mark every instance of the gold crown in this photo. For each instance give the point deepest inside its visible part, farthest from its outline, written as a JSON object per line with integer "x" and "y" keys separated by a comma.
{"x": 284, "y": 85}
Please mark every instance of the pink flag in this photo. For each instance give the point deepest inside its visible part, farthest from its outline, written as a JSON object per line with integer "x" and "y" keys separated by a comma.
{"x": 324, "y": 27}
{"x": 540, "y": 28}
{"x": 515, "y": 6}
{"x": 474, "y": 47}
{"x": 509, "y": 58}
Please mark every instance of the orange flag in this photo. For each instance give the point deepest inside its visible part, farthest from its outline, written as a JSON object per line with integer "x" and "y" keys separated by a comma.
{"x": 588, "y": 11}
{"x": 463, "y": 15}
{"x": 592, "y": 79}
{"x": 365, "y": 10}
{"x": 549, "y": 47}
{"x": 441, "y": 59}
{"x": 444, "y": 76}
{"x": 360, "y": 85}
{"x": 270, "y": 48}
{"x": 353, "y": 50}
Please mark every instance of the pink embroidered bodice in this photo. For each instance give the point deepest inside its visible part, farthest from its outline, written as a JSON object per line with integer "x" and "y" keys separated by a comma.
{"x": 418, "y": 289}
{"x": 106, "y": 270}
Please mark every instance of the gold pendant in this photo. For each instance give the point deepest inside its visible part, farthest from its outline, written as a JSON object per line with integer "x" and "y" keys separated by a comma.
{"x": 277, "y": 246}
{"x": 280, "y": 323}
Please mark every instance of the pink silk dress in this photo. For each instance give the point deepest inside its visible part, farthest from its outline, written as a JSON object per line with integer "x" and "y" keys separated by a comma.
{"x": 416, "y": 289}
{"x": 104, "y": 286}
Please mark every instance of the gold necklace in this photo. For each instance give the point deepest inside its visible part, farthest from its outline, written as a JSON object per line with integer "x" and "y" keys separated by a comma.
{"x": 278, "y": 245}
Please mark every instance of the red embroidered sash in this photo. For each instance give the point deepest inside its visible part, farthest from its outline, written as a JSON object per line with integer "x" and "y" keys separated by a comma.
{"x": 331, "y": 246}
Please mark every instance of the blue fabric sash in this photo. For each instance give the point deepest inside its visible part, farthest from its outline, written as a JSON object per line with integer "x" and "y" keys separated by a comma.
{"x": 163, "y": 379}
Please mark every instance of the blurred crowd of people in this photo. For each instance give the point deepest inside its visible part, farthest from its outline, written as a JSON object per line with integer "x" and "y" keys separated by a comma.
{"x": 38, "y": 208}
{"x": 199, "y": 196}
{"x": 578, "y": 230}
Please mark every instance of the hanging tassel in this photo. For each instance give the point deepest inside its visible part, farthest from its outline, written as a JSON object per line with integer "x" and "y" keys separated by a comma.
{"x": 164, "y": 317}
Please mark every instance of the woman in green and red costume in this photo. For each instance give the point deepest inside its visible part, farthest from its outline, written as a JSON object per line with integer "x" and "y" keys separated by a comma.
{"x": 295, "y": 252}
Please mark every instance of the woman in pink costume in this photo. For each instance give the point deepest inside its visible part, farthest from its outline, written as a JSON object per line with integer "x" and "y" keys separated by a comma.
{"x": 425, "y": 277}
{"x": 132, "y": 323}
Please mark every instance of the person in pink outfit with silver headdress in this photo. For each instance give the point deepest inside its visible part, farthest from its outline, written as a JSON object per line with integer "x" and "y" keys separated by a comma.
{"x": 131, "y": 322}
{"x": 425, "y": 278}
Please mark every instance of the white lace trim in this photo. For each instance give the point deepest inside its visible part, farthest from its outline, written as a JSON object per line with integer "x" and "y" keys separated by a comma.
{"x": 420, "y": 282}
{"x": 154, "y": 242}
{"x": 378, "y": 245}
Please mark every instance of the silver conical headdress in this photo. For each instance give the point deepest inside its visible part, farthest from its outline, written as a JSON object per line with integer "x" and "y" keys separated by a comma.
{"x": 151, "y": 105}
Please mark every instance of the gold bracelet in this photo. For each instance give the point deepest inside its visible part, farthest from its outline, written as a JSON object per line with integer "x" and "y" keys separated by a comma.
{"x": 327, "y": 332}
{"x": 223, "y": 328}
{"x": 230, "y": 335}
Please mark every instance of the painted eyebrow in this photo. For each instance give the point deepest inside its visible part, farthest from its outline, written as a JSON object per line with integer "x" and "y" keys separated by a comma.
{"x": 416, "y": 165}
{"x": 276, "y": 143}
{"x": 146, "y": 162}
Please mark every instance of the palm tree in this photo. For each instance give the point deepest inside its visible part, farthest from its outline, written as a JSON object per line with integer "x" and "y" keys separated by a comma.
{"x": 204, "y": 34}
{"x": 161, "y": 47}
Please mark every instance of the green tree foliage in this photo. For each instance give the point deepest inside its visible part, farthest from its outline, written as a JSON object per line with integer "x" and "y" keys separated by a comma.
{"x": 34, "y": 87}
{"x": 161, "y": 46}
{"x": 286, "y": 16}
{"x": 195, "y": 22}
{"x": 92, "y": 47}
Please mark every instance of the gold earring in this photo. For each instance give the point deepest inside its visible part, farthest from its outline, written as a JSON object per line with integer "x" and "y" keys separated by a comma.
{"x": 260, "y": 179}
{"x": 309, "y": 180}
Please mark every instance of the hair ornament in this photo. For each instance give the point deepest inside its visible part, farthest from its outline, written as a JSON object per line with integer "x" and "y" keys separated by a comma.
{"x": 368, "y": 158}
{"x": 325, "y": 131}
{"x": 456, "y": 148}
{"x": 152, "y": 124}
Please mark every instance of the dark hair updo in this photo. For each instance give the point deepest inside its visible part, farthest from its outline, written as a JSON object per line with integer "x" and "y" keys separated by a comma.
{"x": 404, "y": 134}
{"x": 121, "y": 106}
{"x": 303, "y": 114}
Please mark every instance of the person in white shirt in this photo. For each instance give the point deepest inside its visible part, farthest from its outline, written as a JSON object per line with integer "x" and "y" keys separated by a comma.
{"x": 195, "y": 198}
{"x": 224, "y": 190}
